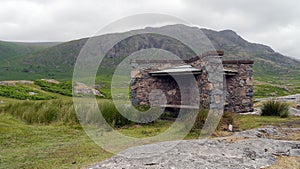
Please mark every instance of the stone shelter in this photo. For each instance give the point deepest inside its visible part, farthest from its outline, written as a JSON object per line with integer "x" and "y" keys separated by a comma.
{"x": 149, "y": 75}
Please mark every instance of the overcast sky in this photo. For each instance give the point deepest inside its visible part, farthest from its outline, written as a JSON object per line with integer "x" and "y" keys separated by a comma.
{"x": 270, "y": 22}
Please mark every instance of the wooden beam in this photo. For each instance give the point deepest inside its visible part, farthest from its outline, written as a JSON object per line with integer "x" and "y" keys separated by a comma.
{"x": 180, "y": 106}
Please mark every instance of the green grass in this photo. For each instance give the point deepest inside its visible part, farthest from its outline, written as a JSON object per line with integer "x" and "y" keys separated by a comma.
{"x": 23, "y": 93}
{"x": 13, "y": 49}
{"x": 43, "y": 112}
{"x": 63, "y": 88}
{"x": 61, "y": 111}
{"x": 57, "y": 145}
{"x": 149, "y": 130}
{"x": 245, "y": 122}
{"x": 274, "y": 70}
{"x": 270, "y": 90}
{"x": 51, "y": 146}
{"x": 46, "y": 134}
{"x": 275, "y": 108}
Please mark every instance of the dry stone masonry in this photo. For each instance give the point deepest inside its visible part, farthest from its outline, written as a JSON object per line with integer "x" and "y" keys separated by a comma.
{"x": 150, "y": 76}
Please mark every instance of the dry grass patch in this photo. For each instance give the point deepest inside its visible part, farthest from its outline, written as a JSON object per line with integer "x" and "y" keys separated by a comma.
{"x": 286, "y": 163}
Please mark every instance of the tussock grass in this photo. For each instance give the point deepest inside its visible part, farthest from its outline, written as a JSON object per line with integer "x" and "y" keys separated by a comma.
{"x": 43, "y": 112}
{"x": 275, "y": 108}
{"x": 63, "y": 112}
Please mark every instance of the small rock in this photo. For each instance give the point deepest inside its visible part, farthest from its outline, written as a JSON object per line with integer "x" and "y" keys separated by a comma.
{"x": 230, "y": 128}
{"x": 51, "y": 81}
{"x": 282, "y": 153}
{"x": 81, "y": 88}
{"x": 298, "y": 106}
{"x": 250, "y": 153}
{"x": 32, "y": 93}
{"x": 294, "y": 112}
{"x": 25, "y": 82}
{"x": 257, "y": 111}
{"x": 295, "y": 152}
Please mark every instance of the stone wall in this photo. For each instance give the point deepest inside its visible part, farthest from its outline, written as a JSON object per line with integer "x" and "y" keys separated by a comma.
{"x": 239, "y": 94}
{"x": 143, "y": 85}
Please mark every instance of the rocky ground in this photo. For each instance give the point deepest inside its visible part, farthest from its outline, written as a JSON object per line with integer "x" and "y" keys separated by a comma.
{"x": 292, "y": 100}
{"x": 251, "y": 149}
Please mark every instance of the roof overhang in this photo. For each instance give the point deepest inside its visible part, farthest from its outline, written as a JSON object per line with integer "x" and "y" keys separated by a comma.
{"x": 186, "y": 69}
{"x": 230, "y": 72}
{"x": 179, "y": 70}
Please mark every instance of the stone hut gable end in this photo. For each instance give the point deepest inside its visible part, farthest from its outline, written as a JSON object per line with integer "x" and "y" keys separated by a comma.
{"x": 149, "y": 75}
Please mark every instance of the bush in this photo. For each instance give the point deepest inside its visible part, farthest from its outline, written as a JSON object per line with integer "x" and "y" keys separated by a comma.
{"x": 275, "y": 108}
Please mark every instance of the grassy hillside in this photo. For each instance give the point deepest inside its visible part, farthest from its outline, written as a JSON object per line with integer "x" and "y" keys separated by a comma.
{"x": 11, "y": 52}
{"x": 265, "y": 90}
{"x": 57, "y": 62}
{"x": 14, "y": 49}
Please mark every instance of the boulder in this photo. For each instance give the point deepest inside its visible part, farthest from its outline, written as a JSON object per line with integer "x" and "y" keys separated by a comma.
{"x": 83, "y": 89}
{"x": 294, "y": 112}
{"x": 298, "y": 106}
{"x": 51, "y": 81}
{"x": 32, "y": 93}
{"x": 206, "y": 153}
{"x": 25, "y": 82}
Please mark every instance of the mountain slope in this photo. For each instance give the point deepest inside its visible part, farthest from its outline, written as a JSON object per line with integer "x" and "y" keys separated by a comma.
{"x": 269, "y": 65}
{"x": 12, "y": 49}
{"x": 58, "y": 61}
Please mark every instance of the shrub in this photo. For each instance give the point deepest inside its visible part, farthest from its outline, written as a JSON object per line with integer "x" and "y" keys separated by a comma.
{"x": 275, "y": 108}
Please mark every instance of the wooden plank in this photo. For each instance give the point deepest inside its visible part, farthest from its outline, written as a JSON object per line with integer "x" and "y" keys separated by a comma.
{"x": 180, "y": 106}
{"x": 238, "y": 61}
